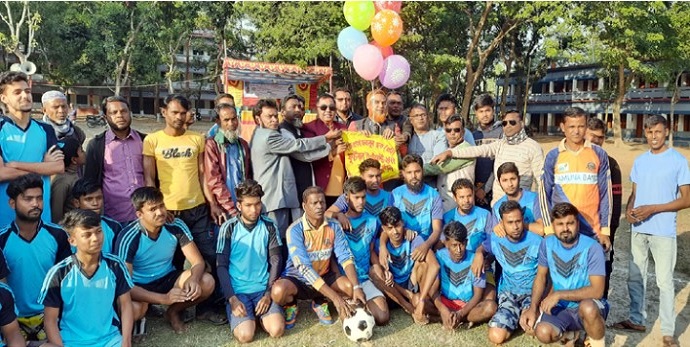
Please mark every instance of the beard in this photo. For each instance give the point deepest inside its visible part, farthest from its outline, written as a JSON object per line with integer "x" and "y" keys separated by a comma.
{"x": 415, "y": 187}
{"x": 568, "y": 238}
{"x": 297, "y": 123}
{"x": 231, "y": 135}
{"x": 379, "y": 117}
{"x": 28, "y": 218}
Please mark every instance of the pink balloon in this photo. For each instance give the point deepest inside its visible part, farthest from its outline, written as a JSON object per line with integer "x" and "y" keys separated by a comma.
{"x": 395, "y": 72}
{"x": 385, "y": 51}
{"x": 388, "y": 5}
{"x": 367, "y": 61}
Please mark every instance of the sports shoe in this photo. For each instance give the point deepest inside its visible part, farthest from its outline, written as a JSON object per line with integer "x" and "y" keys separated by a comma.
{"x": 323, "y": 312}
{"x": 291, "y": 312}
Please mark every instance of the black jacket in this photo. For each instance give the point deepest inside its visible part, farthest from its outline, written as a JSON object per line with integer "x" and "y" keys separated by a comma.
{"x": 95, "y": 152}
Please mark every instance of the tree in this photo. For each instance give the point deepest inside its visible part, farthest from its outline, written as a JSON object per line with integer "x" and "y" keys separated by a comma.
{"x": 678, "y": 57}
{"x": 17, "y": 18}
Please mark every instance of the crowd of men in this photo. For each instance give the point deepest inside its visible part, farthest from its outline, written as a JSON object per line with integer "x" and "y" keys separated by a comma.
{"x": 480, "y": 226}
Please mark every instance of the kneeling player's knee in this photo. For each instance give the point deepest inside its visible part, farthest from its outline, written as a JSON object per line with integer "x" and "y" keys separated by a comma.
{"x": 244, "y": 335}
{"x": 588, "y": 310}
{"x": 490, "y": 307}
{"x": 544, "y": 331}
{"x": 381, "y": 317}
{"x": 276, "y": 330}
{"x": 279, "y": 292}
{"x": 139, "y": 309}
{"x": 207, "y": 284}
{"x": 498, "y": 335}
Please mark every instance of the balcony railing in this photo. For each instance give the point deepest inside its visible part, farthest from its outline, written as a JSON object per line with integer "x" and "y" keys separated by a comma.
{"x": 633, "y": 94}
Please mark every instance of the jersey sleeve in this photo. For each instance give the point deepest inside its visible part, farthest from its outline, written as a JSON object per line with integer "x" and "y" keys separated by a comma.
{"x": 542, "y": 260}
{"x": 127, "y": 245}
{"x": 123, "y": 281}
{"x": 536, "y": 209}
{"x": 300, "y": 257}
{"x": 479, "y": 282}
{"x": 181, "y": 232}
{"x": 546, "y": 188}
{"x": 595, "y": 260}
{"x": 416, "y": 242}
{"x": 223, "y": 249}
{"x": 437, "y": 208}
{"x": 683, "y": 173}
{"x": 7, "y": 308}
{"x": 341, "y": 247}
{"x": 51, "y": 139}
{"x": 341, "y": 204}
{"x": 605, "y": 194}
{"x": 63, "y": 247}
{"x": 4, "y": 270}
{"x": 50, "y": 291}
{"x": 487, "y": 244}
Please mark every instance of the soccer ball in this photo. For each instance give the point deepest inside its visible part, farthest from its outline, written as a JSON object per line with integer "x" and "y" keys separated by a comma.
{"x": 360, "y": 326}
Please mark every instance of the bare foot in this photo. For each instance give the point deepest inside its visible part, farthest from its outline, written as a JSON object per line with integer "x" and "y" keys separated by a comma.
{"x": 175, "y": 321}
{"x": 419, "y": 316}
{"x": 449, "y": 320}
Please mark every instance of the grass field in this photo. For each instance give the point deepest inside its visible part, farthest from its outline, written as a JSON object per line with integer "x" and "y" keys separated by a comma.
{"x": 402, "y": 331}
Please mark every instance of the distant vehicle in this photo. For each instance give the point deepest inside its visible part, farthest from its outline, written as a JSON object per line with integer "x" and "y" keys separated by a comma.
{"x": 93, "y": 121}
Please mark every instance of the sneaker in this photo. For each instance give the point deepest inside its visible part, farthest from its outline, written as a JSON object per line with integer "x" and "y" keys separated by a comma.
{"x": 322, "y": 312}
{"x": 139, "y": 330}
{"x": 291, "y": 312}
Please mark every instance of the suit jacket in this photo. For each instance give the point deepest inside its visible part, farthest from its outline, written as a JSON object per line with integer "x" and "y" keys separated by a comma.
{"x": 271, "y": 153}
{"x": 323, "y": 166}
{"x": 304, "y": 175}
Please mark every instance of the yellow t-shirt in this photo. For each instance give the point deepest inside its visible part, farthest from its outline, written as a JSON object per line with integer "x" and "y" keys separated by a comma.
{"x": 177, "y": 163}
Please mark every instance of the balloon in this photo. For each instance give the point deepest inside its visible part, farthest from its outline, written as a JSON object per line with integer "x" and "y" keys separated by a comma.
{"x": 385, "y": 51}
{"x": 388, "y": 5}
{"x": 348, "y": 40}
{"x": 367, "y": 61}
{"x": 359, "y": 13}
{"x": 395, "y": 72}
{"x": 386, "y": 27}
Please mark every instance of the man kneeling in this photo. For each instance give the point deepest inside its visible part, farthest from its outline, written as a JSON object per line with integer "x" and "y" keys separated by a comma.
{"x": 148, "y": 247}
{"x": 309, "y": 273}
{"x": 575, "y": 265}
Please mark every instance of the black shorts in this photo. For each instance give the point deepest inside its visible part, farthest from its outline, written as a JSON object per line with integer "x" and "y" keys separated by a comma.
{"x": 307, "y": 292}
{"x": 163, "y": 284}
{"x": 198, "y": 220}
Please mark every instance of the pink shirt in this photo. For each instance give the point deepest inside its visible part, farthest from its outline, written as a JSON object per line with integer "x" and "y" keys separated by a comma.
{"x": 123, "y": 172}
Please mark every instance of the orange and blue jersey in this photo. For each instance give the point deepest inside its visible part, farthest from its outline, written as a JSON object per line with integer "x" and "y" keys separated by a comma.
{"x": 310, "y": 250}
{"x": 581, "y": 178}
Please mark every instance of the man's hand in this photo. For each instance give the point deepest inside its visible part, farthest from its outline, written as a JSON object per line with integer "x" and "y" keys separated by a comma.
{"x": 53, "y": 154}
{"x": 388, "y": 278}
{"x": 400, "y": 139}
{"x": 341, "y": 148}
{"x": 263, "y": 305}
{"x": 219, "y": 217}
{"x": 333, "y": 134}
{"x": 641, "y": 213}
{"x": 420, "y": 253}
{"x": 630, "y": 216}
{"x": 388, "y": 133}
{"x": 528, "y": 319}
{"x": 358, "y": 295}
{"x": 344, "y": 221}
{"x": 441, "y": 157}
{"x": 549, "y": 302}
{"x": 605, "y": 241}
{"x": 499, "y": 230}
{"x": 174, "y": 296}
{"x": 237, "y": 307}
{"x": 477, "y": 266}
{"x": 365, "y": 132}
{"x": 410, "y": 234}
{"x": 343, "y": 308}
{"x": 192, "y": 289}
{"x": 480, "y": 194}
{"x": 169, "y": 217}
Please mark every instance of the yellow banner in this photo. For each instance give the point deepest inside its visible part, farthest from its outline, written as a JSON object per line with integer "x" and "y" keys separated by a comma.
{"x": 363, "y": 147}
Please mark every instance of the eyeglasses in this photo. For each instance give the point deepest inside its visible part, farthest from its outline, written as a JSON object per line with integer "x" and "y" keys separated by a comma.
{"x": 453, "y": 130}
{"x": 511, "y": 122}
{"x": 419, "y": 115}
{"x": 327, "y": 107}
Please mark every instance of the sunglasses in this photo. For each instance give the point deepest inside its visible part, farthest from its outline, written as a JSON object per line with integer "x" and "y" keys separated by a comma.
{"x": 453, "y": 130}
{"x": 327, "y": 107}
{"x": 511, "y": 122}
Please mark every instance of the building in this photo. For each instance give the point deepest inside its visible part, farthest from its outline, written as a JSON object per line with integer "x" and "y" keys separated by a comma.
{"x": 579, "y": 86}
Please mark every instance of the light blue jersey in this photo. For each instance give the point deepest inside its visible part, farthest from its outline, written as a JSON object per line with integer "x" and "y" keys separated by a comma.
{"x": 365, "y": 228}
{"x": 457, "y": 280}
{"x": 419, "y": 210}
{"x": 518, "y": 260}
{"x": 477, "y": 222}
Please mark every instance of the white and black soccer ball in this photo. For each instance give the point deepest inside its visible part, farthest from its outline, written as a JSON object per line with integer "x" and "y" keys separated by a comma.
{"x": 360, "y": 326}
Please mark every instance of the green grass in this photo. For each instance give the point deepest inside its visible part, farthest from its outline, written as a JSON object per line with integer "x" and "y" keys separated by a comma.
{"x": 308, "y": 332}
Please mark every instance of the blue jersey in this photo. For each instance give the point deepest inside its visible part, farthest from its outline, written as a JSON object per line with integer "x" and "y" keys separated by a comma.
{"x": 28, "y": 146}
{"x": 30, "y": 260}
{"x": 401, "y": 263}
{"x": 529, "y": 201}
{"x": 4, "y": 270}
{"x": 518, "y": 259}
{"x": 151, "y": 259}
{"x": 457, "y": 279}
{"x": 248, "y": 253}
{"x": 111, "y": 228}
{"x": 87, "y": 311}
{"x": 365, "y": 228}
{"x": 570, "y": 268}
{"x": 373, "y": 204}
{"x": 8, "y": 311}
{"x": 477, "y": 222}
{"x": 419, "y": 210}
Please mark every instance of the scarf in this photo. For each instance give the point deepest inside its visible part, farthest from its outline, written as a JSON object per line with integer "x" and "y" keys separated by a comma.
{"x": 234, "y": 162}
{"x": 517, "y": 138}
{"x": 61, "y": 130}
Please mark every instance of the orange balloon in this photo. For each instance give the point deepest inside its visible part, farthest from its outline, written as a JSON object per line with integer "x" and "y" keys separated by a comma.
{"x": 386, "y": 27}
{"x": 385, "y": 51}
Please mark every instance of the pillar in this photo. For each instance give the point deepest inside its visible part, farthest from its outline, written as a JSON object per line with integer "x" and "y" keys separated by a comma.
{"x": 681, "y": 122}
{"x": 574, "y": 85}
{"x": 550, "y": 123}
{"x": 528, "y": 119}
{"x": 601, "y": 83}
{"x": 551, "y": 87}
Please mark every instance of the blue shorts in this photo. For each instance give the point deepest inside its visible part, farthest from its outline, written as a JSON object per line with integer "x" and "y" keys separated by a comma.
{"x": 510, "y": 306}
{"x": 249, "y": 301}
{"x": 568, "y": 319}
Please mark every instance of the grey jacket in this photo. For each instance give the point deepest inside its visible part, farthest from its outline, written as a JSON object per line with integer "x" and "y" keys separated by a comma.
{"x": 270, "y": 153}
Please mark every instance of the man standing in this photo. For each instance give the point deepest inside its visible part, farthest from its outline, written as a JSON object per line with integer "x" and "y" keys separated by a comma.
{"x": 454, "y": 169}
{"x": 343, "y": 104}
{"x": 657, "y": 176}
{"x": 175, "y": 156}
{"x": 376, "y": 123}
{"x": 516, "y": 147}
{"x": 55, "y": 110}
{"x": 26, "y": 145}
{"x": 487, "y": 131}
{"x": 222, "y": 98}
{"x": 115, "y": 161}
{"x": 446, "y": 106}
{"x": 426, "y": 143}
{"x": 596, "y": 134}
{"x": 577, "y": 172}
{"x": 271, "y": 166}
{"x": 291, "y": 127}
{"x": 226, "y": 162}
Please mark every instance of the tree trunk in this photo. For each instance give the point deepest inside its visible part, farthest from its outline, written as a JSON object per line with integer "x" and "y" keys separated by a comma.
{"x": 674, "y": 100}
{"x": 168, "y": 76}
{"x": 617, "y": 105}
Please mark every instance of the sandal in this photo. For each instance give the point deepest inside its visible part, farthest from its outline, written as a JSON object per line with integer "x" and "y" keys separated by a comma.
{"x": 213, "y": 317}
{"x": 669, "y": 341}
{"x": 630, "y": 326}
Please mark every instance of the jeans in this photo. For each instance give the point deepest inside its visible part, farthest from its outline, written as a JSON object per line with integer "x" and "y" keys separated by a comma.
{"x": 664, "y": 252}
